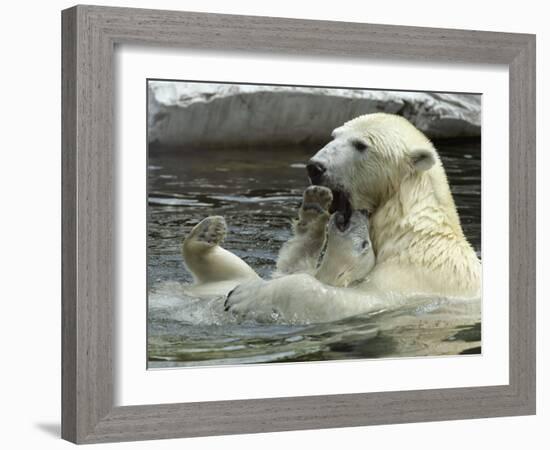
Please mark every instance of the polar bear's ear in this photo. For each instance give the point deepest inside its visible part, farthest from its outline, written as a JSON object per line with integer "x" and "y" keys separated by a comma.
{"x": 422, "y": 158}
{"x": 336, "y": 132}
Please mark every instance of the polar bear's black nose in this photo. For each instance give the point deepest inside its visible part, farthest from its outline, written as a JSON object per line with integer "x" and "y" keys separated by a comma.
{"x": 315, "y": 170}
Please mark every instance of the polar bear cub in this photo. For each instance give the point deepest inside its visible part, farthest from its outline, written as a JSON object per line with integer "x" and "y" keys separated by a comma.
{"x": 348, "y": 256}
{"x": 347, "y": 259}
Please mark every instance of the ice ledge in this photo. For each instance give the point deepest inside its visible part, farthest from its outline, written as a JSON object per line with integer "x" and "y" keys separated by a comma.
{"x": 194, "y": 115}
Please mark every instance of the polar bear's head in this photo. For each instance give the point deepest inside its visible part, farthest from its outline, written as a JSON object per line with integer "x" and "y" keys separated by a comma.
{"x": 349, "y": 255}
{"x": 369, "y": 157}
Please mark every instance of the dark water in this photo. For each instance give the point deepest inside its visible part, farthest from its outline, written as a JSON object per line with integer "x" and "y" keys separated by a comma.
{"x": 258, "y": 192}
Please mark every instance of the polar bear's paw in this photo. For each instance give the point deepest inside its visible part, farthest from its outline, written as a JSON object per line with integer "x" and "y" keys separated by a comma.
{"x": 296, "y": 298}
{"x": 301, "y": 253}
{"x": 316, "y": 202}
{"x": 245, "y": 302}
{"x": 210, "y": 231}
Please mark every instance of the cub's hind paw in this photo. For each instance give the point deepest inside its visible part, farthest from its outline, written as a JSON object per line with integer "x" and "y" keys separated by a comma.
{"x": 210, "y": 231}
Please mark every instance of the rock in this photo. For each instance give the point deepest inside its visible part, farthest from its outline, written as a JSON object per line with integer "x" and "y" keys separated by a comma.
{"x": 195, "y": 115}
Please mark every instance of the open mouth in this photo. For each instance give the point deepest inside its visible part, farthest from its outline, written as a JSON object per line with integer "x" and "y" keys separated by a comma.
{"x": 341, "y": 206}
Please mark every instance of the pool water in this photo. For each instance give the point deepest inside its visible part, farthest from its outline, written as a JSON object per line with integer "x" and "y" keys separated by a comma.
{"x": 258, "y": 191}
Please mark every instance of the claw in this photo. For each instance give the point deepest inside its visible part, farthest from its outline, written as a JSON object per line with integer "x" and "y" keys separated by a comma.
{"x": 227, "y": 307}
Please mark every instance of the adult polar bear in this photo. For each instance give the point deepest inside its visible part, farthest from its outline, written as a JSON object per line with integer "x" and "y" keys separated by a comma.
{"x": 383, "y": 164}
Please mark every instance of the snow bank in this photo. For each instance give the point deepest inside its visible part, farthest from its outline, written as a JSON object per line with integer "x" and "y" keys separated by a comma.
{"x": 194, "y": 115}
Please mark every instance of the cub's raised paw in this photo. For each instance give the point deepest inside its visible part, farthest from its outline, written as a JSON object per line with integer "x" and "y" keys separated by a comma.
{"x": 317, "y": 198}
{"x": 313, "y": 215}
{"x": 210, "y": 231}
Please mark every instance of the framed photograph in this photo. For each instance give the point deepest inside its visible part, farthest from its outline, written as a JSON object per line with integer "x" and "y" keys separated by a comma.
{"x": 279, "y": 224}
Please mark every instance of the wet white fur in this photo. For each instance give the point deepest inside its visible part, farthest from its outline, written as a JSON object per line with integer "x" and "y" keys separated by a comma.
{"x": 215, "y": 270}
{"x": 415, "y": 229}
{"x": 348, "y": 257}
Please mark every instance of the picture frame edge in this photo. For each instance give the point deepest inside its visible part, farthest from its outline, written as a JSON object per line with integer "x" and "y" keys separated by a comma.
{"x": 89, "y": 34}
{"x": 68, "y": 225}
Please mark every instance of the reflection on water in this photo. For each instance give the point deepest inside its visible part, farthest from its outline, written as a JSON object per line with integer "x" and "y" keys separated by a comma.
{"x": 258, "y": 192}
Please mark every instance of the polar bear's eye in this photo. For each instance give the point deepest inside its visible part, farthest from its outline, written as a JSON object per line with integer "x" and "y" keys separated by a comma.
{"x": 359, "y": 145}
{"x": 364, "y": 245}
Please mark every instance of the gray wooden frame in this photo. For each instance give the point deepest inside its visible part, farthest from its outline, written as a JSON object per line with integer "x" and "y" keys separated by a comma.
{"x": 89, "y": 37}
